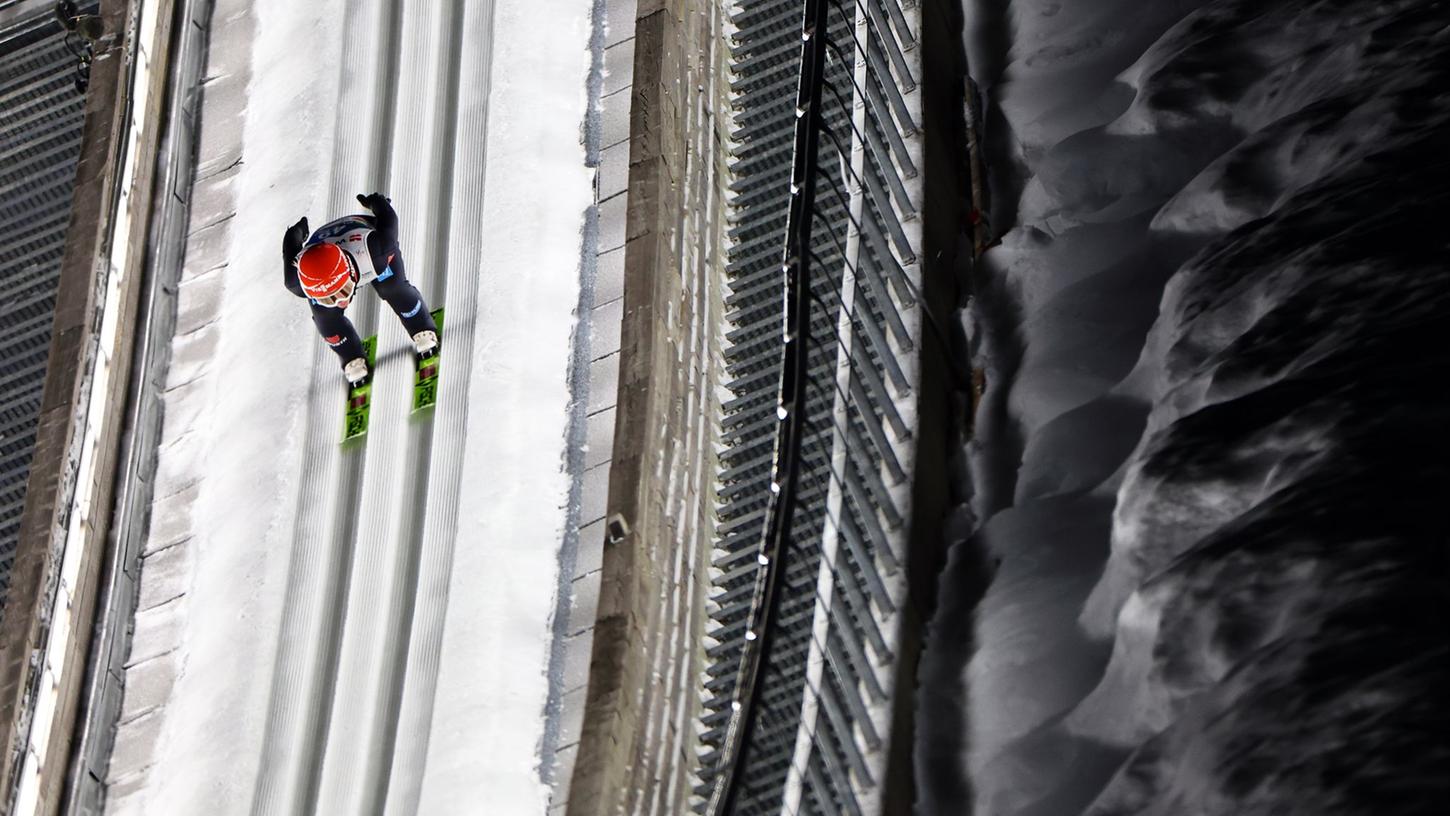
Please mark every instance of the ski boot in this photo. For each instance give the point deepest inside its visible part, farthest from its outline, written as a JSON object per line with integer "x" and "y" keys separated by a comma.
{"x": 426, "y": 344}
{"x": 356, "y": 371}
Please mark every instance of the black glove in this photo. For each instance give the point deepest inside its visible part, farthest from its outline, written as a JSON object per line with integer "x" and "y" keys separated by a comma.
{"x": 294, "y": 238}
{"x": 372, "y": 200}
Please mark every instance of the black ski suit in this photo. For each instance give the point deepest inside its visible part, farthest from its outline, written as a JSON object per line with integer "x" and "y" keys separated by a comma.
{"x": 391, "y": 282}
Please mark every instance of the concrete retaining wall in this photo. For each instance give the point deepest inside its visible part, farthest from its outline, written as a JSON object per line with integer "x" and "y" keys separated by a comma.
{"x": 636, "y": 747}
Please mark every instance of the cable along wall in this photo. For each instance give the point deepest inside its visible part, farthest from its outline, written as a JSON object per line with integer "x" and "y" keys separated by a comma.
{"x": 810, "y": 735}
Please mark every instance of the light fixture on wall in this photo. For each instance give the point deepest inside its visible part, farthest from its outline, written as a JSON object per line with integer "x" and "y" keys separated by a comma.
{"x": 82, "y": 31}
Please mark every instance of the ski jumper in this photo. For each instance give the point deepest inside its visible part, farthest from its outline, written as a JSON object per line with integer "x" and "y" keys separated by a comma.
{"x": 370, "y": 244}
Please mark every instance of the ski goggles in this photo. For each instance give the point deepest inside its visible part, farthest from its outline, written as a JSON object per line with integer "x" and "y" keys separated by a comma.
{"x": 341, "y": 297}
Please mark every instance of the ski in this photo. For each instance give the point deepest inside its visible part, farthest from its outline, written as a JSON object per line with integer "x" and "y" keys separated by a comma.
{"x": 360, "y": 397}
{"x": 426, "y": 370}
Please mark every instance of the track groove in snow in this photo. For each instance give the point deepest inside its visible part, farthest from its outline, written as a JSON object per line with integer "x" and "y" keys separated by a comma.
{"x": 465, "y": 178}
{"x": 379, "y": 599}
{"x": 339, "y": 689}
{"x": 304, "y": 677}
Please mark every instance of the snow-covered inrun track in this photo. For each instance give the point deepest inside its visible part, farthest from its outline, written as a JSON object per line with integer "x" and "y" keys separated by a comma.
{"x": 365, "y": 628}
{"x": 384, "y": 513}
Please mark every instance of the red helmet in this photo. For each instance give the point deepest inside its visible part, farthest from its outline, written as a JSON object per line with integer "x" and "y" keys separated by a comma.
{"x": 324, "y": 272}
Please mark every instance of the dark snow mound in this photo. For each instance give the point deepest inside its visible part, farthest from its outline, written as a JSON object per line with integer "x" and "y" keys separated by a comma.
{"x": 1235, "y": 288}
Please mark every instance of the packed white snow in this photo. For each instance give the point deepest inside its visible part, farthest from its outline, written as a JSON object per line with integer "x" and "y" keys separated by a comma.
{"x": 1208, "y": 463}
{"x": 225, "y": 526}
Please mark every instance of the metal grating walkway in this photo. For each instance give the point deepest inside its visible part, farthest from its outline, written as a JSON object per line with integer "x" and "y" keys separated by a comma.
{"x": 818, "y": 743}
{"x": 41, "y": 116}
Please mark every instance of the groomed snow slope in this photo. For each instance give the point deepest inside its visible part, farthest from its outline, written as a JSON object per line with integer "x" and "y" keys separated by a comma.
{"x": 1211, "y": 458}
{"x": 366, "y": 628}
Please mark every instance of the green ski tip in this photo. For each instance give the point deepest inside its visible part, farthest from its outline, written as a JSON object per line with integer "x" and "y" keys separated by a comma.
{"x": 360, "y": 398}
{"x": 426, "y": 371}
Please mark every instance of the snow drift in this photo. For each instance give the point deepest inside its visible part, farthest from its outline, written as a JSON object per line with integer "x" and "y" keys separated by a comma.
{"x": 1214, "y": 431}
